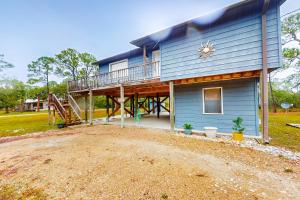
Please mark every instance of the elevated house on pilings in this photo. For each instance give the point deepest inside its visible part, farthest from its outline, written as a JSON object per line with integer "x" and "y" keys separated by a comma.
{"x": 209, "y": 69}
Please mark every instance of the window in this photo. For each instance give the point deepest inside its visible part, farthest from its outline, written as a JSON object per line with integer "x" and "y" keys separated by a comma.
{"x": 212, "y": 100}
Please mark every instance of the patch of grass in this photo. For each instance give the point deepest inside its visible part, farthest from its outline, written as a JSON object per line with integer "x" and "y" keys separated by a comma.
{"x": 283, "y": 135}
{"x": 164, "y": 196}
{"x": 288, "y": 170}
{"x": 10, "y": 192}
{"x": 28, "y": 122}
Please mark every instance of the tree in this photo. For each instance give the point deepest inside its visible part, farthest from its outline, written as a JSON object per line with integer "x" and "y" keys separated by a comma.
{"x": 291, "y": 53}
{"x": 68, "y": 64}
{"x": 74, "y": 65}
{"x": 12, "y": 92}
{"x": 4, "y": 64}
{"x": 40, "y": 70}
{"x": 88, "y": 69}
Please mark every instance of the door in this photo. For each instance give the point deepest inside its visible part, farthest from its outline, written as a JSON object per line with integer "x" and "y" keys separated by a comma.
{"x": 156, "y": 63}
{"x": 119, "y": 69}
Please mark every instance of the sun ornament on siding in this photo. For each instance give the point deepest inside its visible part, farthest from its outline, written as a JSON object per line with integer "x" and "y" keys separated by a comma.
{"x": 206, "y": 50}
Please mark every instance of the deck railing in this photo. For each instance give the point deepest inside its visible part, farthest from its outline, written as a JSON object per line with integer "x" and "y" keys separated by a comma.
{"x": 141, "y": 72}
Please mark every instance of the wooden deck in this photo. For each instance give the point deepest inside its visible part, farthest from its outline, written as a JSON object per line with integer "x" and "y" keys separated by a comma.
{"x": 141, "y": 74}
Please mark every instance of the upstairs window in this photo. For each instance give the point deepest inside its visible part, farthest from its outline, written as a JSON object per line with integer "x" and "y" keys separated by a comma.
{"x": 212, "y": 100}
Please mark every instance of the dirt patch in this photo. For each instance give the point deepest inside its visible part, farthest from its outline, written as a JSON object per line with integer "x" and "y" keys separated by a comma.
{"x": 107, "y": 162}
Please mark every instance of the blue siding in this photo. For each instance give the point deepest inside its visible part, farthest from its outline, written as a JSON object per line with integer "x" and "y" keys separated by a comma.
{"x": 237, "y": 44}
{"x": 240, "y": 98}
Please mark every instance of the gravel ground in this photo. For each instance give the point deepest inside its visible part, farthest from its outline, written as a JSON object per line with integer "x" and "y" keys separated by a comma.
{"x": 107, "y": 162}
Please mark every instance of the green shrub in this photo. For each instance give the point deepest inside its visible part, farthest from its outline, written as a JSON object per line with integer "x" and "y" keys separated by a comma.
{"x": 237, "y": 125}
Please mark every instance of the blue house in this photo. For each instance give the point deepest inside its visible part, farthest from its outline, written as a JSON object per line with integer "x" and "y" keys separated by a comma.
{"x": 207, "y": 71}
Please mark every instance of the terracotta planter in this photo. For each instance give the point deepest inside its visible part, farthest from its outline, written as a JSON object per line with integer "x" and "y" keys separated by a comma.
{"x": 237, "y": 136}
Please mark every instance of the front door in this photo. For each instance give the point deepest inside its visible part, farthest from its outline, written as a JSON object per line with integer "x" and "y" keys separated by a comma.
{"x": 156, "y": 63}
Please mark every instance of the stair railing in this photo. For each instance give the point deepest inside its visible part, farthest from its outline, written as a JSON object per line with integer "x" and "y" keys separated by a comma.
{"x": 58, "y": 105}
{"x": 74, "y": 106}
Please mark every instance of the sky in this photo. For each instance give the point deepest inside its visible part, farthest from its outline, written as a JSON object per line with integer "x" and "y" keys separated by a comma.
{"x": 30, "y": 29}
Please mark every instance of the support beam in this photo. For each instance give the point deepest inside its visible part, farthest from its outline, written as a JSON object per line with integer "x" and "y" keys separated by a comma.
{"x": 107, "y": 108}
{"x": 91, "y": 107}
{"x": 171, "y": 109}
{"x": 136, "y": 104}
{"x": 122, "y": 105}
{"x": 153, "y": 105}
{"x": 265, "y": 106}
{"x": 86, "y": 108}
{"x": 113, "y": 105}
{"x": 158, "y": 104}
{"x": 53, "y": 119}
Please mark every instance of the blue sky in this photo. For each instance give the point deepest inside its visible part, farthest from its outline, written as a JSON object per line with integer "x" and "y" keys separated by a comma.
{"x": 34, "y": 28}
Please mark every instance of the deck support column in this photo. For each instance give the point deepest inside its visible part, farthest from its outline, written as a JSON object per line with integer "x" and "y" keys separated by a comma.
{"x": 171, "y": 100}
{"x": 136, "y": 104}
{"x": 153, "y": 105}
{"x": 86, "y": 108}
{"x": 122, "y": 105}
{"x": 91, "y": 107}
{"x": 53, "y": 119}
{"x": 113, "y": 106}
{"x": 264, "y": 76}
{"x": 158, "y": 104}
{"x": 107, "y": 109}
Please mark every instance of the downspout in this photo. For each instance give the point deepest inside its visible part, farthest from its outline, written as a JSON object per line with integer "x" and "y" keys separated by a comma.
{"x": 265, "y": 106}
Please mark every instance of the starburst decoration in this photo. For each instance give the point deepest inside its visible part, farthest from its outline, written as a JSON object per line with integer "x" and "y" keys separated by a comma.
{"x": 206, "y": 50}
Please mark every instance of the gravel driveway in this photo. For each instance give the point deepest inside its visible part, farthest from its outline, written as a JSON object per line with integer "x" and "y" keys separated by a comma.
{"x": 107, "y": 162}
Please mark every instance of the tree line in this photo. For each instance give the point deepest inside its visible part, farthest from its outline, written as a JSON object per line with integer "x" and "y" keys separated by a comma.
{"x": 69, "y": 64}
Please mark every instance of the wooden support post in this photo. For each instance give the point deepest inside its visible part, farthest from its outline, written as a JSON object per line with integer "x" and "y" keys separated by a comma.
{"x": 153, "y": 105}
{"x": 53, "y": 118}
{"x": 122, "y": 105}
{"x": 91, "y": 107}
{"x": 132, "y": 105}
{"x": 158, "y": 104}
{"x": 136, "y": 103}
{"x": 149, "y": 110}
{"x": 171, "y": 106}
{"x": 38, "y": 104}
{"x": 265, "y": 106}
{"x": 86, "y": 108}
{"x": 107, "y": 109}
{"x": 113, "y": 106}
{"x": 49, "y": 113}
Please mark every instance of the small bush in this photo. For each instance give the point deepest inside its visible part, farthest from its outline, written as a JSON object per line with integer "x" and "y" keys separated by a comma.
{"x": 164, "y": 196}
{"x": 288, "y": 170}
{"x": 187, "y": 126}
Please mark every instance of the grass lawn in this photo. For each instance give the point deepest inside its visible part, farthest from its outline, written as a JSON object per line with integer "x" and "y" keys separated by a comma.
{"x": 282, "y": 135}
{"x": 15, "y": 123}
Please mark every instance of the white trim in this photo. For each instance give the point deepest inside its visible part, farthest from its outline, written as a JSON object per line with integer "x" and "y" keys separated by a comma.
{"x": 120, "y": 61}
{"x": 203, "y": 101}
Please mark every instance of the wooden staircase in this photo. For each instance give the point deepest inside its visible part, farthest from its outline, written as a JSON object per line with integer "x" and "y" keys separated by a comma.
{"x": 67, "y": 109}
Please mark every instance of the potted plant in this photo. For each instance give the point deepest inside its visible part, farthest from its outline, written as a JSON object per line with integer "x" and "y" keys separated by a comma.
{"x": 238, "y": 130}
{"x": 187, "y": 128}
{"x": 60, "y": 123}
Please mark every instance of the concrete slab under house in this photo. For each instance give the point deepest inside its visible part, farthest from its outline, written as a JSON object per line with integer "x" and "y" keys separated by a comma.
{"x": 206, "y": 71}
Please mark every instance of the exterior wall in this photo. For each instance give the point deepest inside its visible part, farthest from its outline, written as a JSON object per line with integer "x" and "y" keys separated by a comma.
{"x": 132, "y": 62}
{"x": 237, "y": 44}
{"x": 240, "y": 99}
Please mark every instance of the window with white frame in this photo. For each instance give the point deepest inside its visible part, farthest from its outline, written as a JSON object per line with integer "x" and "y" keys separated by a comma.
{"x": 212, "y": 100}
